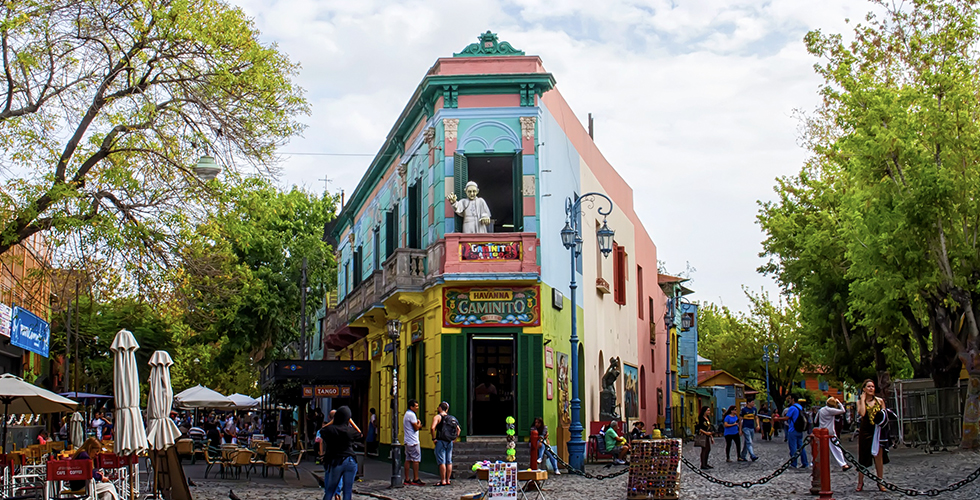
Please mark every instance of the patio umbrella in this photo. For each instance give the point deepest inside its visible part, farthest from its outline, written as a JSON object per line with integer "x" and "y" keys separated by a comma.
{"x": 76, "y": 431}
{"x": 19, "y": 396}
{"x": 129, "y": 431}
{"x": 202, "y": 397}
{"x": 161, "y": 432}
{"x": 243, "y": 402}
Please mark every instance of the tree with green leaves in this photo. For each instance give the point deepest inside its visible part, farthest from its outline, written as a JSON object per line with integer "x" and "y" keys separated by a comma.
{"x": 107, "y": 106}
{"x": 734, "y": 342}
{"x": 896, "y": 173}
{"x": 240, "y": 278}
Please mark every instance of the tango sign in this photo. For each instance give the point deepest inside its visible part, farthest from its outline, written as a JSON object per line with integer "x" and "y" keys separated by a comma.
{"x": 517, "y": 306}
{"x": 509, "y": 250}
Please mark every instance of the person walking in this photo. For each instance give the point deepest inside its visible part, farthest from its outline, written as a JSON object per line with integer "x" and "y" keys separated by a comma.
{"x": 732, "y": 435}
{"x": 704, "y": 428}
{"x": 749, "y": 420}
{"x": 827, "y": 419}
{"x": 794, "y": 436}
{"x": 337, "y": 440}
{"x": 543, "y": 450}
{"x": 873, "y": 415}
{"x": 445, "y": 429}
{"x": 765, "y": 417}
{"x": 413, "y": 449}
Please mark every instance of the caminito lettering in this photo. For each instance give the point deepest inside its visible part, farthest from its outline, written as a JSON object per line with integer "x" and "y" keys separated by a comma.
{"x": 467, "y": 307}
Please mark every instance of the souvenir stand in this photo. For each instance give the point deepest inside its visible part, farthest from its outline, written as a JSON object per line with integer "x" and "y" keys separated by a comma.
{"x": 654, "y": 470}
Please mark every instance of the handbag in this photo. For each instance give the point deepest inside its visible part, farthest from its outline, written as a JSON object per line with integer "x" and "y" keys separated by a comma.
{"x": 700, "y": 441}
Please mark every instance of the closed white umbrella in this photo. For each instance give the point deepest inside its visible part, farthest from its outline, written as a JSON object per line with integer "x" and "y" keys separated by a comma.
{"x": 76, "y": 431}
{"x": 161, "y": 432}
{"x": 243, "y": 402}
{"x": 19, "y": 396}
{"x": 130, "y": 436}
{"x": 202, "y": 397}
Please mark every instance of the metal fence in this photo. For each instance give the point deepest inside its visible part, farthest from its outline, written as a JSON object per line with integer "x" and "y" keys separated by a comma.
{"x": 927, "y": 416}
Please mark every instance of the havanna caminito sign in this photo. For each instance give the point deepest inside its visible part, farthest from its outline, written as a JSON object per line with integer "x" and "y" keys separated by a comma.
{"x": 491, "y": 306}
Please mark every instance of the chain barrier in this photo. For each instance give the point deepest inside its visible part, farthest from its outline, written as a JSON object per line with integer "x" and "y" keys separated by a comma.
{"x": 906, "y": 491}
{"x": 598, "y": 477}
{"x": 748, "y": 484}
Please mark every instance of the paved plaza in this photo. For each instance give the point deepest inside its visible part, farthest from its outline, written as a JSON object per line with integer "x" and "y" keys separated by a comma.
{"x": 910, "y": 467}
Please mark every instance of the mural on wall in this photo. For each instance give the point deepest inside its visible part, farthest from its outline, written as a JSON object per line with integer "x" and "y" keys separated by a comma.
{"x": 631, "y": 391}
{"x": 564, "y": 402}
{"x": 496, "y": 306}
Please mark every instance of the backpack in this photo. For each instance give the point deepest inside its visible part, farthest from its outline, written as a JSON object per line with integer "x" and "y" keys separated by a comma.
{"x": 448, "y": 428}
{"x": 801, "y": 424}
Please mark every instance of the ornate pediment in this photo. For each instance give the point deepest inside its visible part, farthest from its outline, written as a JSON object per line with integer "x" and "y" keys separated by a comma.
{"x": 489, "y": 45}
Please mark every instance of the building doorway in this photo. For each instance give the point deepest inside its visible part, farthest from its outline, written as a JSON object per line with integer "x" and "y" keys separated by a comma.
{"x": 492, "y": 383}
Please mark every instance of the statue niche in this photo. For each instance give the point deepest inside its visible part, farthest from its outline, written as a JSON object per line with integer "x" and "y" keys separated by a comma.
{"x": 607, "y": 397}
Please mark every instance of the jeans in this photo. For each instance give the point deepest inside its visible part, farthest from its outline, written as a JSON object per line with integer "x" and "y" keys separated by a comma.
{"x": 444, "y": 452}
{"x": 346, "y": 470}
{"x": 551, "y": 458}
{"x": 729, "y": 439}
{"x": 795, "y": 440}
{"x": 339, "y": 490}
{"x": 747, "y": 448}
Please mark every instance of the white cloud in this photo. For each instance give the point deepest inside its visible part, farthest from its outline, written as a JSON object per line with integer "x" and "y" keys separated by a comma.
{"x": 693, "y": 99}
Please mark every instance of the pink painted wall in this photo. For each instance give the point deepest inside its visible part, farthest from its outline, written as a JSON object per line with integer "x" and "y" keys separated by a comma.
{"x": 486, "y": 65}
{"x": 489, "y": 101}
{"x": 644, "y": 254}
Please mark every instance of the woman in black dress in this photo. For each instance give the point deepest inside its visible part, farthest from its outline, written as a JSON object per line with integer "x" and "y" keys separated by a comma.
{"x": 872, "y": 412}
{"x": 704, "y": 427}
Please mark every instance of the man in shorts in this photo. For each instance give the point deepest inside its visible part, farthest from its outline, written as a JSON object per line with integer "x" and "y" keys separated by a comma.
{"x": 445, "y": 429}
{"x": 413, "y": 450}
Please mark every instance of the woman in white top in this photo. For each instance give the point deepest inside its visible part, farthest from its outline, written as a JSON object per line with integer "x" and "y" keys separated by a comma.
{"x": 825, "y": 420}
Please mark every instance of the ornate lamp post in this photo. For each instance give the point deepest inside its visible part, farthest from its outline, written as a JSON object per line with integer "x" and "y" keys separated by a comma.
{"x": 394, "y": 332}
{"x": 775, "y": 359}
{"x": 571, "y": 238}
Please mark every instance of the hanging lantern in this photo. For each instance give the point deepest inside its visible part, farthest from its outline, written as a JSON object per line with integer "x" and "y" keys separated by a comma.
{"x": 207, "y": 169}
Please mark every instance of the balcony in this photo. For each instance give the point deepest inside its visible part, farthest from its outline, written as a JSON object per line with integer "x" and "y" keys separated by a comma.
{"x": 459, "y": 256}
{"x": 490, "y": 253}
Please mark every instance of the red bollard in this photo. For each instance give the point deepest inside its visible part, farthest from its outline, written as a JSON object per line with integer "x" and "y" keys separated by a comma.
{"x": 822, "y": 443}
{"x": 534, "y": 449}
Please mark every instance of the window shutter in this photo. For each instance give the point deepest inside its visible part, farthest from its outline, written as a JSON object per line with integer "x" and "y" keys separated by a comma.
{"x": 461, "y": 175}
{"x": 530, "y": 381}
{"x": 455, "y": 377}
{"x": 619, "y": 286}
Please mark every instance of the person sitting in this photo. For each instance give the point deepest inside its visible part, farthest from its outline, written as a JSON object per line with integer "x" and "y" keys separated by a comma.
{"x": 616, "y": 444}
{"x": 639, "y": 431}
{"x": 104, "y": 489}
{"x": 42, "y": 438}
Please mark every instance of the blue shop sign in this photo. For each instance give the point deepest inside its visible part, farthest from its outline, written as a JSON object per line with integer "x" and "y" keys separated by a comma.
{"x": 30, "y": 332}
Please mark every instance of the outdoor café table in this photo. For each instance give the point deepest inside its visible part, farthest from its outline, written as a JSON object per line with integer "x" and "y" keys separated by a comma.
{"x": 526, "y": 479}
{"x": 59, "y": 471}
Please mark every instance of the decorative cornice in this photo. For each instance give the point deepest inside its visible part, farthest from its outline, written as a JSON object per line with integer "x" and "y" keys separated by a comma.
{"x": 527, "y": 127}
{"x": 489, "y": 45}
{"x": 450, "y": 125}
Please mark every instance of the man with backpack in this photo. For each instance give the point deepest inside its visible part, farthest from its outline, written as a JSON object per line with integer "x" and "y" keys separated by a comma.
{"x": 797, "y": 427}
{"x": 445, "y": 430}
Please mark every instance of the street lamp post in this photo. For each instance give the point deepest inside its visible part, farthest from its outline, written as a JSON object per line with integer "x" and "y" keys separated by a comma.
{"x": 775, "y": 359}
{"x": 394, "y": 331}
{"x": 571, "y": 238}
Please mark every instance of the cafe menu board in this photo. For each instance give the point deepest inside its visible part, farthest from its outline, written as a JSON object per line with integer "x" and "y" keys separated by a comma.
{"x": 5, "y": 313}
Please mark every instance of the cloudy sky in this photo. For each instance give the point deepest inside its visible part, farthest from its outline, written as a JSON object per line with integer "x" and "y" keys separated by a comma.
{"x": 693, "y": 99}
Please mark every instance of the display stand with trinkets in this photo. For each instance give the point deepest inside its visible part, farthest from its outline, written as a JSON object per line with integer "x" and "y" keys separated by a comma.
{"x": 655, "y": 469}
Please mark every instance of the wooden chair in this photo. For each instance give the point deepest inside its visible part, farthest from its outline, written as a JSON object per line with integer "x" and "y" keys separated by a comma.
{"x": 295, "y": 464}
{"x": 239, "y": 460}
{"x": 274, "y": 458}
{"x": 212, "y": 460}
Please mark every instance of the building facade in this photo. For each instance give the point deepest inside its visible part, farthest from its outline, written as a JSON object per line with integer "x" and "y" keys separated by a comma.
{"x": 485, "y": 317}
{"x": 25, "y": 283}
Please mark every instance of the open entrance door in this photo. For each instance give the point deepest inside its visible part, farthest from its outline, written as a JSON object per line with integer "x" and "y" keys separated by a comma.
{"x": 492, "y": 383}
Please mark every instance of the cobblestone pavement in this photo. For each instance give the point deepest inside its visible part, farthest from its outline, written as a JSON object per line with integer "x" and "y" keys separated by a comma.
{"x": 909, "y": 467}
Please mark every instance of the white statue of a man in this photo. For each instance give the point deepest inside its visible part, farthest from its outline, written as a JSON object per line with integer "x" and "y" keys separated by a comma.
{"x": 475, "y": 212}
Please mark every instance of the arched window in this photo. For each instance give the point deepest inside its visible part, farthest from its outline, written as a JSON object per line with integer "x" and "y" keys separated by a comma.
{"x": 643, "y": 387}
